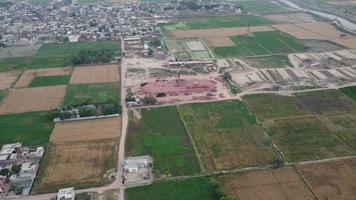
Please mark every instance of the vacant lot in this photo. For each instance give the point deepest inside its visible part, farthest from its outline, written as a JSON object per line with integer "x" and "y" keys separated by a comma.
{"x": 28, "y": 75}
{"x": 260, "y": 43}
{"x": 274, "y": 184}
{"x": 217, "y": 22}
{"x": 29, "y": 128}
{"x": 306, "y": 138}
{"x": 318, "y": 31}
{"x": 7, "y": 79}
{"x": 95, "y": 74}
{"x": 189, "y": 189}
{"x": 226, "y": 135}
{"x": 280, "y": 61}
{"x": 86, "y": 130}
{"x": 325, "y": 101}
{"x": 41, "y": 81}
{"x": 350, "y": 91}
{"x": 160, "y": 133}
{"x": 80, "y": 164}
{"x": 91, "y": 94}
{"x": 33, "y": 99}
{"x": 331, "y": 180}
{"x": 222, "y": 41}
{"x": 269, "y": 106}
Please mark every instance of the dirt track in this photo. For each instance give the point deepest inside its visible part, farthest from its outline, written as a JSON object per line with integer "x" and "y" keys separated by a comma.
{"x": 95, "y": 74}
{"x": 33, "y": 99}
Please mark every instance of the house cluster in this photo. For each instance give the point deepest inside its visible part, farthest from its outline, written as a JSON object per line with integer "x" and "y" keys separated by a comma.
{"x": 18, "y": 168}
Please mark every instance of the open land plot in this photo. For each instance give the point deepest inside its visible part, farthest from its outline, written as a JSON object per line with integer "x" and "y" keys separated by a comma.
{"x": 29, "y": 128}
{"x": 160, "y": 133}
{"x": 350, "y": 91}
{"x": 33, "y": 99}
{"x": 291, "y": 17}
{"x": 227, "y": 135}
{"x": 86, "y": 130}
{"x": 95, "y": 74}
{"x": 216, "y": 22}
{"x": 325, "y": 101}
{"x": 274, "y": 184}
{"x": 27, "y": 76}
{"x": 85, "y": 94}
{"x": 331, "y": 180}
{"x": 19, "y": 51}
{"x": 8, "y": 78}
{"x": 279, "y": 61}
{"x": 318, "y": 31}
{"x": 188, "y": 189}
{"x": 269, "y": 106}
{"x": 256, "y": 6}
{"x": 42, "y": 81}
{"x": 218, "y": 32}
{"x": 219, "y": 41}
{"x": 306, "y": 138}
{"x": 80, "y": 164}
{"x": 260, "y": 43}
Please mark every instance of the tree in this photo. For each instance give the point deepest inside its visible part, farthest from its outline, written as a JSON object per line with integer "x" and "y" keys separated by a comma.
{"x": 4, "y": 172}
{"x": 149, "y": 100}
{"x": 87, "y": 112}
{"x": 227, "y": 76}
{"x": 155, "y": 42}
{"x": 15, "y": 169}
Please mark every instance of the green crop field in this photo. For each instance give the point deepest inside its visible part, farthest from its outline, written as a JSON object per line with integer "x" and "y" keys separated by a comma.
{"x": 201, "y": 54}
{"x": 260, "y": 43}
{"x": 188, "y": 189}
{"x": 259, "y": 6}
{"x": 277, "y": 61}
{"x": 41, "y": 81}
{"x": 160, "y": 134}
{"x": 350, "y": 91}
{"x": 3, "y": 93}
{"x": 29, "y": 128}
{"x": 56, "y": 55}
{"x": 91, "y": 94}
{"x": 226, "y": 135}
{"x": 216, "y": 22}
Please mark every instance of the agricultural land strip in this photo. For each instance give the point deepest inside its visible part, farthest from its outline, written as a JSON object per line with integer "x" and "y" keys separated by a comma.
{"x": 95, "y": 74}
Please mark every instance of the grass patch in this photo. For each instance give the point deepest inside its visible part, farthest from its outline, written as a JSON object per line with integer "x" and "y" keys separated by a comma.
{"x": 41, "y": 81}
{"x": 7, "y": 64}
{"x": 3, "y": 93}
{"x": 161, "y": 134}
{"x": 259, "y": 6}
{"x": 29, "y": 128}
{"x": 350, "y": 91}
{"x": 277, "y": 61}
{"x": 201, "y": 54}
{"x": 217, "y": 22}
{"x": 189, "y": 189}
{"x": 91, "y": 94}
{"x": 226, "y": 135}
{"x": 260, "y": 43}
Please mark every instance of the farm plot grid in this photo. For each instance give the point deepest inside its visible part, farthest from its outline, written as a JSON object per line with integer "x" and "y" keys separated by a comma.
{"x": 274, "y": 184}
{"x": 260, "y": 43}
{"x": 95, "y": 74}
{"x": 160, "y": 133}
{"x": 86, "y": 130}
{"x": 32, "y": 99}
{"x": 308, "y": 126}
{"x": 227, "y": 135}
{"x": 83, "y": 164}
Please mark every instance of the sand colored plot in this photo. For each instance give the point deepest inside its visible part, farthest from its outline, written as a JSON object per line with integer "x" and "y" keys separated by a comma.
{"x": 95, "y": 74}
{"x": 29, "y": 75}
{"x": 33, "y": 99}
{"x": 318, "y": 31}
{"x": 218, "y": 32}
{"x": 7, "y": 79}
{"x": 219, "y": 41}
{"x": 86, "y": 130}
{"x": 331, "y": 180}
{"x": 79, "y": 164}
{"x": 276, "y": 184}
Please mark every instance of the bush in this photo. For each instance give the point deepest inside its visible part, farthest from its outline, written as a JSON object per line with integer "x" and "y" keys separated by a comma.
{"x": 65, "y": 115}
{"x": 149, "y": 100}
{"x": 87, "y": 112}
{"x": 15, "y": 169}
{"x": 109, "y": 109}
{"x": 89, "y": 57}
{"x": 4, "y": 172}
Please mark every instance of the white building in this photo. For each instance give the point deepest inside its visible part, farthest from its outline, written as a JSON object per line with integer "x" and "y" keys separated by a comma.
{"x": 66, "y": 194}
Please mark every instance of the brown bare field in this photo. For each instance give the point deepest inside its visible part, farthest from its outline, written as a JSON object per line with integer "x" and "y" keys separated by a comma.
{"x": 274, "y": 184}
{"x": 79, "y": 164}
{"x": 218, "y": 32}
{"x": 33, "y": 99}
{"x": 317, "y": 31}
{"x": 219, "y": 41}
{"x": 331, "y": 180}
{"x": 28, "y": 75}
{"x": 7, "y": 79}
{"x": 95, "y": 74}
{"x": 86, "y": 130}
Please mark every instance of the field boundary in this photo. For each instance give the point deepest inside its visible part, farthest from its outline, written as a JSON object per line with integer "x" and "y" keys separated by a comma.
{"x": 202, "y": 167}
